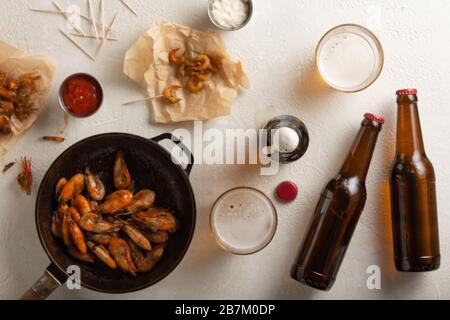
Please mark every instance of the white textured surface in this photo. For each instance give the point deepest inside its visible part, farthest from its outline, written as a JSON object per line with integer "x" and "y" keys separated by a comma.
{"x": 277, "y": 49}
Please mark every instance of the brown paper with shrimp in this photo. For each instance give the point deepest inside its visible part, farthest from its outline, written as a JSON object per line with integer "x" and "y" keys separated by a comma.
{"x": 14, "y": 64}
{"x": 147, "y": 63}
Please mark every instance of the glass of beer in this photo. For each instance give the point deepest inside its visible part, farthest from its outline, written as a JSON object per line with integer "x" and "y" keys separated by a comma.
{"x": 243, "y": 220}
{"x": 350, "y": 58}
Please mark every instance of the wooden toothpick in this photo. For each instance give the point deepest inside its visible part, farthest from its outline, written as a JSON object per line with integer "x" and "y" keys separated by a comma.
{"x": 102, "y": 8}
{"x": 47, "y": 11}
{"x": 79, "y": 46}
{"x": 140, "y": 100}
{"x": 91, "y": 11}
{"x": 128, "y": 5}
{"x": 91, "y": 36}
{"x": 65, "y": 12}
{"x": 66, "y": 15}
{"x": 106, "y": 35}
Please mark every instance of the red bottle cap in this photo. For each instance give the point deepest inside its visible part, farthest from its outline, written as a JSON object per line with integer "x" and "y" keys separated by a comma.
{"x": 374, "y": 117}
{"x": 406, "y": 92}
{"x": 287, "y": 191}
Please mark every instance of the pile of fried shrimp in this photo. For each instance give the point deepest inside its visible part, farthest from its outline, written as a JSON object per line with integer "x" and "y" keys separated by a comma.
{"x": 122, "y": 230}
{"x": 197, "y": 71}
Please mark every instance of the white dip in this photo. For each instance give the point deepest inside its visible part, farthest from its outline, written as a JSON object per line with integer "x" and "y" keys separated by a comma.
{"x": 230, "y": 13}
{"x": 285, "y": 140}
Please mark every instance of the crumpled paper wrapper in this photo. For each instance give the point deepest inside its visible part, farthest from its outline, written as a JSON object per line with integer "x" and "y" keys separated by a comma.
{"x": 147, "y": 63}
{"x": 15, "y": 62}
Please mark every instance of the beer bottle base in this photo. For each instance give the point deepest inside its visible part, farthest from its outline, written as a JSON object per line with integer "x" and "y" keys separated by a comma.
{"x": 312, "y": 279}
{"x": 418, "y": 264}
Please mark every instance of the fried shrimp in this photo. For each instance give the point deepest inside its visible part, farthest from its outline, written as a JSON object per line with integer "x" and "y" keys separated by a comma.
{"x": 169, "y": 94}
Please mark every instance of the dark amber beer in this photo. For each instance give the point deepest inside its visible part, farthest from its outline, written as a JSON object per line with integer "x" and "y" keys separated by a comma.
{"x": 337, "y": 213}
{"x": 413, "y": 193}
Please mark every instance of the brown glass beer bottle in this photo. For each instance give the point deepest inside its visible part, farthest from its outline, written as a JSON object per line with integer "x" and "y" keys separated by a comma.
{"x": 413, "y": 193}
{"x": 337, "y": 213}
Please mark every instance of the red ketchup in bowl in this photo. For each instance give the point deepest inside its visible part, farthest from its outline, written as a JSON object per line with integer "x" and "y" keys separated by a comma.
{"x": 82, "y": 95}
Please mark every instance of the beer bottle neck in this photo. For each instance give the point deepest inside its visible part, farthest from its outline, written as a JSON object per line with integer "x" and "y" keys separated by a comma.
{"x": 409, "y": 132}
{"x": 358, "y": 161}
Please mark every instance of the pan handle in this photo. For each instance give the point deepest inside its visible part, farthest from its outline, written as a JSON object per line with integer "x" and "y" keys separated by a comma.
{"x": 169, "y": 136}
{"x": 45, "y": 285}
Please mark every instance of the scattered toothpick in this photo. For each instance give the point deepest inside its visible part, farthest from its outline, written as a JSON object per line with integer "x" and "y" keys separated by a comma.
{"x": 60, "y": 131}
{"x": 128, "y": 5}
{"x": 90, "y": 36}
{"x": 102, "y": 9}
{"x": 47, "y": 11}
{"x": 105, "y": 30}
{"x": 140, "y": 100}
{"x": 79, "y": 46}
{"x": 66, "y": 15}
{"x": 65, "y": 12}
{"x": 106, "y": 35}
{"x": 91, "y": 11}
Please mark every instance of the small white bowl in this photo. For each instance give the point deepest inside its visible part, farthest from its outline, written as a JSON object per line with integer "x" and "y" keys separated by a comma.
{"x": 218, "y": 25}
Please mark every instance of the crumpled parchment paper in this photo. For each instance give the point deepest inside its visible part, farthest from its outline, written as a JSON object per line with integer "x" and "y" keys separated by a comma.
{"x": 147, "y": 63}
{"x": 16, "y": 62}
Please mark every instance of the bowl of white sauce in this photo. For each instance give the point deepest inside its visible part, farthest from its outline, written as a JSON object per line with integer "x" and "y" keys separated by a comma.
{"x": 349, "y": 58}
{"x": 230, "y": 15}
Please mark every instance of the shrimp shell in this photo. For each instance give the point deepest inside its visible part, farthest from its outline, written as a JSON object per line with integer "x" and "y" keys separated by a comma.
{"x": 156, "y": 220}
{"x": 56, "y": 139}
{"x": 25, "y": 177}
{"x": 121, "y": 253}
{"x": 82, "y": 204}
{"x": 8, "y": 166}
{"x": 74, "y": 214}
{"x": 103, "y": 254}
{"x": 65, "y": 229}
{"x": 63, "y": 207}
{"x": 142, "y": 200}
{"x": 94, "y": 186}
{"x": 61, "y": 183}
{"x": 102, "y": 238}
{"x": 122, "y": 177}
{"x": 136, "y": 253}
{"x": 94, "y": 205}
{"x": 86, "y": 257}
{"x": 72, "y": 188}
{"x": 157, "y": 237}
{"x": 116, "y": 201}
{"x": 91, "y": 222}
{"x": 148, "y": 261}
{"x": 56, "y": 225}
{"x": 77, "y": 236}
{"x": 137, "y": 237}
